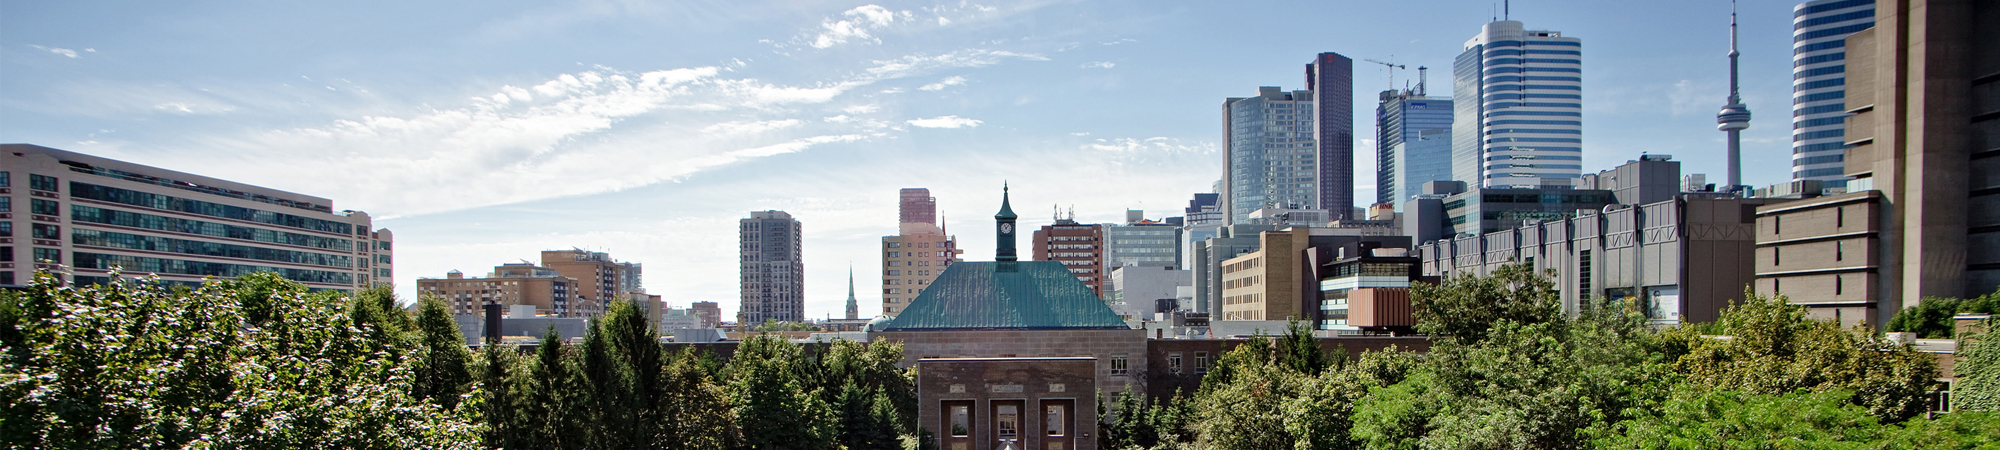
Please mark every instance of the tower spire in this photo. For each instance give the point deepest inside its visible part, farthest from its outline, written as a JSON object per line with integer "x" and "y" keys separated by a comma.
{"x": 1735, "y": 116}
{"x": 1003, "y": 252}
{"x": 853, "y": 305}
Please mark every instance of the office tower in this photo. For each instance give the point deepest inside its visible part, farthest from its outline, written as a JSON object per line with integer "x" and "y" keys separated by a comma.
{"x": 1273, "y": 158}
{"x": 1412, "y": 143}
{"x": 917, "y": 254}
{"x": 1517, "y": 98}
{"x": 1203, "y": 220}
{"x": 1078, "y": 246}
{"x": 1141, "y": 242}
{"x": 91, "y": 214}
{"x": 1819, "y": 63}
{"x": 772, "y": 270}
{"x": 1918, "y": 219}
{"x": 1330, "y": 82}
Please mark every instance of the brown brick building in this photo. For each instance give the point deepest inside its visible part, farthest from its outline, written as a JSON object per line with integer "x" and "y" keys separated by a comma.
{"x": 1079, "y": 247}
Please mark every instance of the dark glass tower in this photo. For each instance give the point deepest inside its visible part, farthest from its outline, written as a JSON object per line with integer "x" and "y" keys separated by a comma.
{"x": 1330, "y": 77}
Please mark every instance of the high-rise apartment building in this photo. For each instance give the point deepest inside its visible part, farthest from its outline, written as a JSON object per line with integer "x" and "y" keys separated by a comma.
{"x": 1919, "y": 219}
{"x": 772, "y": 269}
{"x": 95, "y": 214}
{"x": 1819, "y": 64}
{"x": 915, "y": 205}
{"x": 1078, "y": 246}
{"x": 709, "y": 312}
{"x": 1412, "y": 144}
{"x": 1330, "y": 80}
{"x": 1517, "y": 96}
{"x": 1273, "y": 158}
{"x": 509, "y": 285}
{"x": 600, "y": 279}
{"x": 917, "y": 254}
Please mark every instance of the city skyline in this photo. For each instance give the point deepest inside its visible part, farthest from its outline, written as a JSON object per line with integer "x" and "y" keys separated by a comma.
{"x": 837, "y": 107}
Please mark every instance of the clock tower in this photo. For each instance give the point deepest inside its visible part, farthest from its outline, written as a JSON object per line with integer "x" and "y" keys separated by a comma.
{"x": 1004, "y": 254}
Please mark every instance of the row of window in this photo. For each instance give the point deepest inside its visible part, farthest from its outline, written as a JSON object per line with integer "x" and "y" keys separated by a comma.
{"x": 177, "y": 204}
{"x": 95, "y": 215}
{"x": 127, "y": 241}
{"x": 84, "y": 260}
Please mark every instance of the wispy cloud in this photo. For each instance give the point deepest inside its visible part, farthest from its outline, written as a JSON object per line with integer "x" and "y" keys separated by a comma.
{"x": 1153, "y": 144}
{"x": 1122, "y": 41}
{"x": 945, "y": 122}
{"x": 749, "y": 127}
{"x": 941, "y": 84}
{"x": 1099, "y": 65}
{"x": 62, "y": 51}
{"x": 854, "y": 27}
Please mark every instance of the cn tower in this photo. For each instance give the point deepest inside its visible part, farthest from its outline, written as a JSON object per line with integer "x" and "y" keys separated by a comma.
{"x": 1735, "y": 117}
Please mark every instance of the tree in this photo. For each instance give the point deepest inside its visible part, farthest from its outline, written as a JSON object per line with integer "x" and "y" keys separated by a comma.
{"x": 254, "y": 362}
{"x": 443, "y": 362}
{"x": 765, "y": 390}
{"x": 1465, "y": 306}
{"x": 1931, "y": 318}
{"x": 1773, "y": 349}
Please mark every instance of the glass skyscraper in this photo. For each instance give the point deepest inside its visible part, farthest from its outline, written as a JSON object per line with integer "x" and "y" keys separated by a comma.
{"x": 1330, "y": 80}
{"x": 1273, "y": 158}
{"x": 1412, "y": 144}
{"x": 1819, "y": 65}
{"x": 1518, "y": 108}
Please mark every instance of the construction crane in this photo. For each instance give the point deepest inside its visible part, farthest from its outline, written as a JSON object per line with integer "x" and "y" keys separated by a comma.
{"x": 1392, "y": 70}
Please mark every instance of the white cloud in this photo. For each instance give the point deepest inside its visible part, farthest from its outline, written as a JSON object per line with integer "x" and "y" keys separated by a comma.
{"x": 1122, "y": 41}
{"x": 855, "y": 27}
{"x": 750, "y": 127}
{"x": 60, "y": 51}
{"x": 909, "y": 65}
{"x": 945, "y": 122}
{"x": 1100, "y": 65}
{"x": 941, "y": 84}
{"x": 861, "y": 109}
{"x": 1152, "y": 144}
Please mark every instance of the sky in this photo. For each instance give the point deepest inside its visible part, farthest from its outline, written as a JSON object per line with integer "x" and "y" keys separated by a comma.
{"x": 482, "y": 132}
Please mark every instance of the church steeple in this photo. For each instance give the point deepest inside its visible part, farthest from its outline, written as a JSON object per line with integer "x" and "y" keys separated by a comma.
{"x": 1005, "y": 254}
{"x": 853, "y": 306}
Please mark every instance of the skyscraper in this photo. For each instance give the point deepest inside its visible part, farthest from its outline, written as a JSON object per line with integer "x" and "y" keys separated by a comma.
{"x": 1517, "y": 96}
{"x": 1819, "y": 64}
{"x": 1330, "y": 80}
{"x": 1412, "y": 143}
{"x": 1272, "y": 155}
{"x": 917, "y": 254}
{"x": 773, "y": 272}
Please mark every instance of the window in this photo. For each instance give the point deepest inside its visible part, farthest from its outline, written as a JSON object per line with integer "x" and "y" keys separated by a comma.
{"x": 46, "y": 231}
{"x": 42, "y": 182}
{"x": 961, "y": 421}
{"x": 1119, "y": 365}
{"x": 894, "y": 254}
{"x": 44, "y": 207}
{"x": 1055, "y": 420}
{"x": 6, "y": 254}
{"x": 1839, "y": 217}
{"x": 6, "y": 228}
{"x": 48, "y": 254}
{"x": 381, "y": 245}
{"x": 1776, "y": 224}
{"x": 6, "y": 203}
{"x": 4, "y": 182}
{"x": 1200, "y": 362}
{"x": 893, "y": 245}
{"x": 1839, "y": 250}
{"x": 1775, "y": 258}
{"x": 1174, "y": 362}
{"x": 1010, "y": 421}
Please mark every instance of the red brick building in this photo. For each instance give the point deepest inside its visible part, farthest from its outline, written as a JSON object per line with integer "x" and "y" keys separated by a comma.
{"x": 1079, "y": 247}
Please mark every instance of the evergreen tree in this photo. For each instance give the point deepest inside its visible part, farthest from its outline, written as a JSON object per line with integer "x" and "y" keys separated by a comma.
{"x": 443, "y": 362}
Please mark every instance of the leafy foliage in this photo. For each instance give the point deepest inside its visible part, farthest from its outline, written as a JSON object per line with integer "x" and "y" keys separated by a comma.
{"x": 255, "y": 362}
{"x": 1772, "y": 348}
{"x": 1931, "y": 318}
{"x": 1978, "y": 370}
{"x": 1464, "y": 307}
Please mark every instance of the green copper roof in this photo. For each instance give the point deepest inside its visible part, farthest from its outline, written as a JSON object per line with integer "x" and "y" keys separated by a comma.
{"x": 1039, "y": 295}
{"x": 1006, "y": 208}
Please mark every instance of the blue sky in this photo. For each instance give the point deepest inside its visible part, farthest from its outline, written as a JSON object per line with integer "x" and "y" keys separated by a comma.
{"x": 483, "y": 132}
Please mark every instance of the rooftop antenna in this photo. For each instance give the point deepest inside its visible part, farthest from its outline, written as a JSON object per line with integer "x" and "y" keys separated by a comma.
{"x": 1506, "y": 7}
{"x": 1058, "y": 212}
{"x": 1496, "y": 13}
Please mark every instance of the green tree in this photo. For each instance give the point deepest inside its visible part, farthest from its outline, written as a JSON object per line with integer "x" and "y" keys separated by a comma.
{"x": 1772, "y": 348}
{"x": 765, "y": 389}
{"x": 443, "y": 362}
{"x": 1464, "y": 306}
{"x": 254, "y": 362}
{"x": 1931, "y": 318}
{"x": 696, "y": 409}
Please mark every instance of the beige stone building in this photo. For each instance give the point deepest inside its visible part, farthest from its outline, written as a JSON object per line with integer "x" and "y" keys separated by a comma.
{"x": 599, "y": 277}
{"x": 95, "y": 214}
{"x": 919, "y": 251}
{"x": 509, "y": 285}
{"x": 1921, "y": 218}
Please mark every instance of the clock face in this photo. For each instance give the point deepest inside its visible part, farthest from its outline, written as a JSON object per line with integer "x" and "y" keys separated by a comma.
{"x": 1006, "y": 228}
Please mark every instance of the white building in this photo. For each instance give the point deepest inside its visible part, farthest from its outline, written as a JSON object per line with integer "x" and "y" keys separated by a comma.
{"x": 1517, "y": 98}
{"x": 1819, "y": 85}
